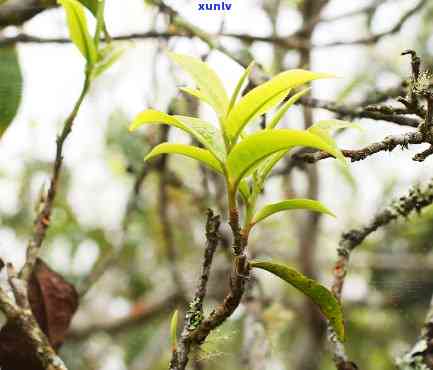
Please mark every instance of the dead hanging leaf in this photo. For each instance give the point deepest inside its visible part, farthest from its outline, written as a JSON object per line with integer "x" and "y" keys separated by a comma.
{"x": 54, "y": 302}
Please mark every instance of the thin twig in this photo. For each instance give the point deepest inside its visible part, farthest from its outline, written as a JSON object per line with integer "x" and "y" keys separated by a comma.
{"x": 141, "y": 314}
{"x": 194, "y": 314}
{"x": 388, "y": 144}
{"x": 43, "y": 219}
{"x": 360, "y": 112}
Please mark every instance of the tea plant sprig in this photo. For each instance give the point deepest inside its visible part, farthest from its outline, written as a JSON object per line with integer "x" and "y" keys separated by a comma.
{"x": 98, "y": 59}
{"x": 245, "y": 160}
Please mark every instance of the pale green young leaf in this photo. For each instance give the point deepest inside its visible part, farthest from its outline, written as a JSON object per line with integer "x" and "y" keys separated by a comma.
{"x": 321, "y": 296}
{"x": 269, "y": 163}
{"x": 257, "y": 101}
{"x": 108, "y": 56}
{"x": 239, "y": 86}
{"x": 78, "y": 30}
{"x": 246, "y": 155}
{"x": 202, "y": 155}
{"x": 202, "y": 131}
{"x": 173, "y": 330}
{"x": 196, "y": 93}
{"x": 290, "y": 204}
{"x": 282, "y": 111}
{"x": 207, "y": 81}
{"x": 244, "y": 189}
{"x": 11, "y": 83}
{"x": 324, "y": 129}
{"x": 272, "y": 103}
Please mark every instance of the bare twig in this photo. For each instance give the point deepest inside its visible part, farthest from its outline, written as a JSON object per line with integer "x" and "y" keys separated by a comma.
{"x": 194, "y": 314}
{"x": 375, "y": 38}
{"x": 141, "y": 314}
{"x": 360, "y": 112}
{"x": 388, "y": 144}
{"x": 43, "y": 219}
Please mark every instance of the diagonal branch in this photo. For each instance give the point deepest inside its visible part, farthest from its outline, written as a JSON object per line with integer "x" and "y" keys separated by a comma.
{"x": 388, "y": 144}
{"x": 417, "y": 198}
{"x": 42, "y": 221}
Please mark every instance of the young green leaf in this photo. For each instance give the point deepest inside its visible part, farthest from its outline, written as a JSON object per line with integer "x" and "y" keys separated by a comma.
{"x": 173, "y": 330}
{"x": 203, "y": 131}
{"x": 201, "y": 155}
{"x": 239, "y": 86}
{"x": 282, "y": 111}
{"x": 196, "y": 93}
{"x": 207, "y": 81}
{"x": 11, "y": 82}
{"x": 320, "y": 295}
{"x": 246, "y": 155}
{"x": 258, "y": 100}
{"x": 78, "y": 30}
{"x": 244, "y": 189}
{"x": 108, "y": 56}
{"x": 268, "y": 164}
{"x": 324, "y": 128}
{"x": 290, "y": 204}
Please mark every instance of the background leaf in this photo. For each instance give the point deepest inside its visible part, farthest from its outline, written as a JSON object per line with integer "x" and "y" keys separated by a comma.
{"x": 11, "y": 82}
{"x": 320, "y": 295}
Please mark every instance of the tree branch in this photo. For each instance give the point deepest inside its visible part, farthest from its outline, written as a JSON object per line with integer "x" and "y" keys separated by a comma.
{"x": 418, "y": 197}
{"x": 42, "y": 221}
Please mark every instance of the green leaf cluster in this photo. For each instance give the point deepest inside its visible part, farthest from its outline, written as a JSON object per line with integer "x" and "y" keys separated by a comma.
{"x": 244, "y": 159}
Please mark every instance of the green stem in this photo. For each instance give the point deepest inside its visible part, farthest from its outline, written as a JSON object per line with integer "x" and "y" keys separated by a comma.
{"x": 99, "y": 23}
